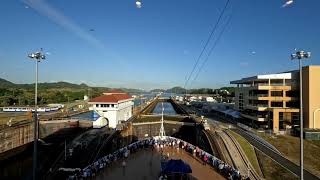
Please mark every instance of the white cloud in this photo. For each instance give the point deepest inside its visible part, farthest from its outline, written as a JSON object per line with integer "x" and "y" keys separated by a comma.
{"x": 44, "y": 8}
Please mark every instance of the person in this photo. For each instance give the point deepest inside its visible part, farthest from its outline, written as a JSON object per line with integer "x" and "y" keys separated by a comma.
{"x": 205, "y": 159}
{"x": 124, "y": 164}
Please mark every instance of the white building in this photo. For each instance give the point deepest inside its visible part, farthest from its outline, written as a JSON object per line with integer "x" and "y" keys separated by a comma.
{"x": 115, "y": 106}
{"x": 210, "y": 99}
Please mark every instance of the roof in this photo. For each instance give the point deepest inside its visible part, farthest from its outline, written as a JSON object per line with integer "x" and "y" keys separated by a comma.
{"x": 111, "y": 98}
{"x": 286, "y": 75}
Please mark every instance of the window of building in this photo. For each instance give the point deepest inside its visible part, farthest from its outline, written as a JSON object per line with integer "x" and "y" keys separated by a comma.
{"x": 277, "y": 93}
{"x": 293, "y": 104}
{"x": 112, "y": 105}
{"x": 292, "y": 93}
{"x": 97, "y": 105}
{"x": 288, "y": 82}
{"x": 276, "y": 104}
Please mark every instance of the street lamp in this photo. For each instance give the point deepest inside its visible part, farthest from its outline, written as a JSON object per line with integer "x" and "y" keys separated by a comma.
{"x": 38, "y": 56}
{"x": 301, "y": 55}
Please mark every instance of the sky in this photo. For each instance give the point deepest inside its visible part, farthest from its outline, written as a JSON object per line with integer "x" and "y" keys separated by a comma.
{"x": 114, "y": 44}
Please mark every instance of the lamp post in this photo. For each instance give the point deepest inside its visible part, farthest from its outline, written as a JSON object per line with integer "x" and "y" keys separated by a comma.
{"x": 301, "y": 55}
{"x": 38, "y": 56}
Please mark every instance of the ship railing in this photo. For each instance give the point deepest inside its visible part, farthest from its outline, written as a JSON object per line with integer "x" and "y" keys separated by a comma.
{"x": 223, "y": 168}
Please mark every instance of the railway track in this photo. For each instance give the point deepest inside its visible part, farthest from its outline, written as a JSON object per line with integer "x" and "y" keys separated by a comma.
{"x": 217, "y": 146}
{"x": 242, "y": 162}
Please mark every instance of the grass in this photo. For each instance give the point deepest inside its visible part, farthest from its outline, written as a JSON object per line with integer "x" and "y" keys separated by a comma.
{"x": 272, "y": 170}
{"x": 289, "y": 146}
{"x": 248, "y": 150}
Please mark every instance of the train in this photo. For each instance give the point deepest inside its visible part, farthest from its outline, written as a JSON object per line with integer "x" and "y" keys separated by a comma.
{"x": 48, "y": 108}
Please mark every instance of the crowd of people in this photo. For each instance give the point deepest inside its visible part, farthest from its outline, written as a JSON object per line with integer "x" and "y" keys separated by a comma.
{"x": 207, "y": 159}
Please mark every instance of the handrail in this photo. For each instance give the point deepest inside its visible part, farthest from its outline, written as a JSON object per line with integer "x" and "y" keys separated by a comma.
{"x": 160, "y": 140}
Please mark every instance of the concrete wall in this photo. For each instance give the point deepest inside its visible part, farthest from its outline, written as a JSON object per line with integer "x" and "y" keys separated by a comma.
{"x": 311, "y": 95}
{"x": 13, "y": 137}
{"x": 124, "y": 113}
{"x": 111, "y": 117}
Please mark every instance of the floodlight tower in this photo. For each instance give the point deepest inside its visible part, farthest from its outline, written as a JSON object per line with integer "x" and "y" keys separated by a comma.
{"x": 299, "y": 55}
{"x": 37, "y": 56}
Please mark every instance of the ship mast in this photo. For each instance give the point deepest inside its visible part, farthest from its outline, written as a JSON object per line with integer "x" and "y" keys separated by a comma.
{"x": 162, "y": 132}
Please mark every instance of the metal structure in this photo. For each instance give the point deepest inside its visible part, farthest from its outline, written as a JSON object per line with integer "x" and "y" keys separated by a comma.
{"x": 38, "y": 56}
{"x": 162, "y": 132}
{"x": 301, "y": 55}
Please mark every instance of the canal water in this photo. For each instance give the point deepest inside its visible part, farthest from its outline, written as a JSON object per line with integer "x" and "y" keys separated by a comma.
{"x": 91, "y": 115}
{"x": 168, "y": 109}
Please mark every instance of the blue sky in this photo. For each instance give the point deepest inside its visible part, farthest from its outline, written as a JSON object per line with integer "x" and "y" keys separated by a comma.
{"x": 155, "y": 46}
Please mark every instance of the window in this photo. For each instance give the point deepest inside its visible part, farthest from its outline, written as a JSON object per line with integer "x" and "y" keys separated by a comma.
{"x": 293, "y": 104}
{"x": 292, "y": 93}
{"x": 276, "y": 93}
{"x": 97, "y": 105}
{"x": 276, "y": 104}
{"x": 112, "y": 105}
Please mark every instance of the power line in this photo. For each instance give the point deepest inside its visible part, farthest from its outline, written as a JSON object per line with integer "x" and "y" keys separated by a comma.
{"x": 212, "y": 48}
{"x": 207, "y": 42}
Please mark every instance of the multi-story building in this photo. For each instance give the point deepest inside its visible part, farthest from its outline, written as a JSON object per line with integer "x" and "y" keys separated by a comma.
{"x": 115, "y": 106}
{"x": 272, "y": 100}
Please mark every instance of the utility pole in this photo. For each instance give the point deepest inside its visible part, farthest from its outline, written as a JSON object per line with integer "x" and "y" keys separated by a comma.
{"x": 301, "y": 55}
{"x": 38, "y": 56}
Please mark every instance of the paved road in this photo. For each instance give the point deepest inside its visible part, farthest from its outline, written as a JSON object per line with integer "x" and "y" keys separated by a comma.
{"x": 289, "y": 165}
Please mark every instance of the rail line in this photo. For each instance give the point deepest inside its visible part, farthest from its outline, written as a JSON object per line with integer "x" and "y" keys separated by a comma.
{"x": 251, "y": 172}
{"x": 216, "y": 147}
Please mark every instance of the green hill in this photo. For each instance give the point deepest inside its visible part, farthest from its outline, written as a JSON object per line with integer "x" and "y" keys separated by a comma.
{"x": 6, "y": 84}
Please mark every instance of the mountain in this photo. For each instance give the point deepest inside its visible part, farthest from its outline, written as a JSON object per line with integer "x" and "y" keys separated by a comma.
{"x": 157, "y": 90}
{"x": 60, "y": 85}
{"x": 6, "y": 84}
{"x": 177, "y": 90}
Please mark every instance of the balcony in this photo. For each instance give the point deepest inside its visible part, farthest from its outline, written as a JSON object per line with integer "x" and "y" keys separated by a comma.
{"x": 258, "y": 96}
{"x": 267, "y": 86}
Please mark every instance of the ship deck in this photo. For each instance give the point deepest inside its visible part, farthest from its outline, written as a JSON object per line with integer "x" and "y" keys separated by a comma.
{"x": 145, "y": 165}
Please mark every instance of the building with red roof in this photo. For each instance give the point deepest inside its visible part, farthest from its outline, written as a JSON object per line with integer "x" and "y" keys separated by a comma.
{"x": 115, "y": 106}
